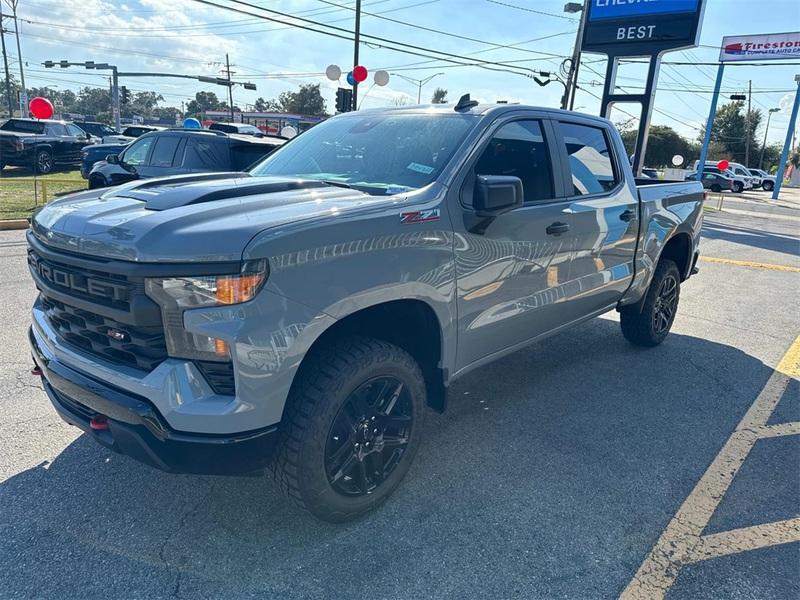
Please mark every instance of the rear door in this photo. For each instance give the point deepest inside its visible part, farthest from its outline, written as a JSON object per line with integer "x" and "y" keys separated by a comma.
{"x": 205, "y": 154}
{"x": 605, "y": 216}
{"x": 511, "y": 268}
{"x": 163, "y": 155}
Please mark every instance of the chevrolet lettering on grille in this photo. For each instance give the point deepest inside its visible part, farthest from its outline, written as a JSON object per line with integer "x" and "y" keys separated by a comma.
{"x": 77, "y": 282}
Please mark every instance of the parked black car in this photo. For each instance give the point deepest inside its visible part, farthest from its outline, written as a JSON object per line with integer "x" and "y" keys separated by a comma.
{"x": 135, "y": 131}
{"x": 99, "y": 130}
{"x": 96, "y": 152}
{"x": 41, "y": 145}
{"x": 179, "y": 151}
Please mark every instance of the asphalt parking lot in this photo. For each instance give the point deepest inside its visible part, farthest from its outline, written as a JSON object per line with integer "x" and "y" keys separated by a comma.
{"x": 581, "y": 467}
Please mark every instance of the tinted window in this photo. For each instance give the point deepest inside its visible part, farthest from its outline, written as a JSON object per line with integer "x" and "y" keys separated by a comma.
{"x": 23, "y": 126}
{"x": 136, "y": 154}
{"x": 244, "y": 155}
{"x": 223, "y": 127}
{"x": 205, "y": 155}
{"x": 76, "y": 131}
{"x": 56, "y": 129}
{"x": 590, "y": 159}
{"x": 518, "y": 149}
{"x": 164, "y": 151}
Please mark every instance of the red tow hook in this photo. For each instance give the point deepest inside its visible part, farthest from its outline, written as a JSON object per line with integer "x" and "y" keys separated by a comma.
{"x": 36, "y": 371}
{"x": 99, "y": 423}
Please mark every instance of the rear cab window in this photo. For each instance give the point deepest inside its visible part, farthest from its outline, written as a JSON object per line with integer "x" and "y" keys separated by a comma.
{"x": 590, "y": 159}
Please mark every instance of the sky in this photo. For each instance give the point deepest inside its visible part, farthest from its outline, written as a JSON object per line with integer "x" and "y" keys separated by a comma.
{"x": 188, "y": 37}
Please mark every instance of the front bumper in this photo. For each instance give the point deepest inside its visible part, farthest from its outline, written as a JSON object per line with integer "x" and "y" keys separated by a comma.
{"x": 136, "y": 429}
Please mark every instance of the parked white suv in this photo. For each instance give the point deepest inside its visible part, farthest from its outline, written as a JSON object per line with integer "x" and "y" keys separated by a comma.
{"x": 767, "y": 180}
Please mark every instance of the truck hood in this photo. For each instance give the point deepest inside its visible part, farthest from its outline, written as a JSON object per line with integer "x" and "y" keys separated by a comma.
{"x": 191, "y": 218}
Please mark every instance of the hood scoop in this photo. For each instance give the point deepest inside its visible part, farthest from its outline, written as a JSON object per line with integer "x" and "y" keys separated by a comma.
{"x": 175, "y": 193}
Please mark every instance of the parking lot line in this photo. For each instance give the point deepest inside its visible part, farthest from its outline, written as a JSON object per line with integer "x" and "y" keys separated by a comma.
{"x": 682, "y": 543}
{"x": 751, "y": 264}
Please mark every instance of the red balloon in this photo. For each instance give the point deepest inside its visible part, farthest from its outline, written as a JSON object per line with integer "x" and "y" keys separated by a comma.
{"x": 723, "y": 165}
{"x": 360, "y": 73}
{"x": 41, "y": 108}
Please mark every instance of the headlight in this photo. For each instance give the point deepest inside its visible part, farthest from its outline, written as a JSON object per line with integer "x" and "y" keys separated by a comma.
{"x": 177, "y": 294}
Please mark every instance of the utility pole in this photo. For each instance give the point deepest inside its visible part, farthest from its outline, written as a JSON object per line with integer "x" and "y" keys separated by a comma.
{"x": 355, "y": 51}
{"x": 228, "y": 73}
{"x": 9, "y": 100}
{"x": 568, "y": 99}
{"x": 766, "y": 131}
{"x": 747, "y": 126}
{"x": 23, "y": 97}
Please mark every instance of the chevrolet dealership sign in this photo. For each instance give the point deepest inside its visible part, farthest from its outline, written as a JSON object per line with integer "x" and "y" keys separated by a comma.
{"x": 770, "y": 46}
{"x": 641, "y": 27}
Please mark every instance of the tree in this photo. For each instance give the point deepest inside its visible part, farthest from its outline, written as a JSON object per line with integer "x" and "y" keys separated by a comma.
{"x": 262, "y": 105}
{"x": 729, "y": 131}
{"x": 202, "y": 102}
{"x": 306, "y": 101}
{"x": 663, "y": 143}
{"x": 439, "y": 96}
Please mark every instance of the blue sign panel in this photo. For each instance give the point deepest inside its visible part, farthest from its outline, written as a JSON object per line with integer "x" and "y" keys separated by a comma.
{"x": 615, "y": 9}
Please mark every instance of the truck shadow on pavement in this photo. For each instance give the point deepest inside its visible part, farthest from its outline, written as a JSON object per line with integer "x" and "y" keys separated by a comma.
{"x": 551, "y": 475}
{"x": 755, "y": 238}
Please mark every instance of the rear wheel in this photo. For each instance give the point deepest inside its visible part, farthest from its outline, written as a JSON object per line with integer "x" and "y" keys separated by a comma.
{"x": 351, "y": 428}
{"x": 651, "y": 325}
{"x": 768, "y": 186}
{"x": 716, "y": 188}
{"x": 738, "y": 187}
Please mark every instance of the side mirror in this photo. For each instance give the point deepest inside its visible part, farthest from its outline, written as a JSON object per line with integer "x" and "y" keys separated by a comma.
{"x": 496, "y": 194}
{"x": 112, "y": 159}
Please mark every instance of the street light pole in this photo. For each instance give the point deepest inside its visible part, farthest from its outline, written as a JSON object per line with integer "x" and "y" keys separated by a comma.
{"x": 418, "y": 82}
{"x": 568, "y": 99}
{"x": 766, "y": 131}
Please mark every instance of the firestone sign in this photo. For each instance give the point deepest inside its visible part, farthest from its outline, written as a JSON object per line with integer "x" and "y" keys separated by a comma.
{"x": 641, "y": 27}
{"x": 770, "y": 46}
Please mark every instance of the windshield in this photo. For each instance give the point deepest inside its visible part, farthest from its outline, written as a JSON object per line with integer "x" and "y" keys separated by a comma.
{"x": 23, "y": 126}
{"x": 380, "y": 154}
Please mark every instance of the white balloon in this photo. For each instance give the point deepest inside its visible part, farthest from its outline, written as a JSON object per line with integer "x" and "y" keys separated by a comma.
{"x": 381, "y": 78}
{"x": 677, "y": 160}
{"x": 333, "y": 72}
{"x": 288, "y": 132}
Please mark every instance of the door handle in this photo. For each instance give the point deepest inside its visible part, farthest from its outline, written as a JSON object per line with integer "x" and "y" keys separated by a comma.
{"x": 557, "y": 228}
{"x": 627, "y": 215}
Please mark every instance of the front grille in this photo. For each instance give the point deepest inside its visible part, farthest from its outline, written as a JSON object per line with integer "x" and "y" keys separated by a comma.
{"x": 108, "y": 315}
{"x": 139, "y": 347}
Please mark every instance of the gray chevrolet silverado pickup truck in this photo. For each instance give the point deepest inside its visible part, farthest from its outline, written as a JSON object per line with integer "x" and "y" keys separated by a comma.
{"x": 300, "y": 317}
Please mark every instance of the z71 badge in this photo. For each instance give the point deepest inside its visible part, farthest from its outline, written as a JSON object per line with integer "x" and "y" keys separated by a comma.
{"x": 419, "y": 216}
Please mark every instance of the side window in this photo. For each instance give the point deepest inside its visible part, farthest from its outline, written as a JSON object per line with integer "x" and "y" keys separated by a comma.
{"x": 518, "y": 149}
{"x": 163, "y": 153}
{"x": 590, "y": 159}
{"x": 205, "y": 155}
{"x": 136, "y": 154}
{"x": 76, "y": 131}
{"x": 57, "y": 130}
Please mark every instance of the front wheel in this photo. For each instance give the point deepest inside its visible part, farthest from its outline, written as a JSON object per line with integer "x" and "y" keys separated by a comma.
{"x": 97, "y": 182}
{"x": 738, "y": 187}
{"x": 351, "y": 428}
{"x": 43, "y": 162}
{"x": 768, "y": 186}
{"x": 651, "y": 326}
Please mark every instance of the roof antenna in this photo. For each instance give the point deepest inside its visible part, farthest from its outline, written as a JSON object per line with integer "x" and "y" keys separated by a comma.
{"x": 464, "y": 103}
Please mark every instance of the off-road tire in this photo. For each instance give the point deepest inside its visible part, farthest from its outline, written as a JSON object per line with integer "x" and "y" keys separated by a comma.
{"x": 324, "y": 385}
{"x": 639, "y": 327}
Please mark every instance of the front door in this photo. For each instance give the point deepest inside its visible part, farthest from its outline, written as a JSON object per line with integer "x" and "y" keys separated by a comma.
{"x": 511, "y": 269}
{"x": 605, "y": 213}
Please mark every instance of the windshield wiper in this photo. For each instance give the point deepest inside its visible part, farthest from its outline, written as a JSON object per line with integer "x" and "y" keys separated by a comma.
{"x": 333, "y": 182}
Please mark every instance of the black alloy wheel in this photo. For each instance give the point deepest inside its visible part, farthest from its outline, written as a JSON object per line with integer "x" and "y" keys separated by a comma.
{"x": 666, "y": 304}
{"x": 369, "y": 436}
{"x": 44, "y": 162}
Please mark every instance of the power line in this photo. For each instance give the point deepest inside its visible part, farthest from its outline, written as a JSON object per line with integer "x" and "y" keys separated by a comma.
{"x": 532, "y": 10}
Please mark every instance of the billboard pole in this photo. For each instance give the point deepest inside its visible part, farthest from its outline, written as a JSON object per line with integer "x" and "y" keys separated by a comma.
{"x": 712, "y": 113}
{"x": 787, "y": 143}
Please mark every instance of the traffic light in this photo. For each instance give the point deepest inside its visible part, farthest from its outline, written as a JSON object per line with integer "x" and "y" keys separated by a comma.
{"x": 123, "y": 95}
{"x": 344, "y": 100}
